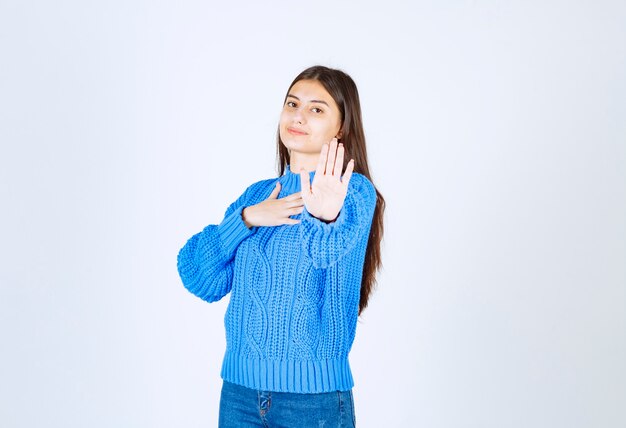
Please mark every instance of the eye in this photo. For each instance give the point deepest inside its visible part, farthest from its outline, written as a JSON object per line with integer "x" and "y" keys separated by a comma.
{"x": 291, "y": 104}
{"x": 319, "y": 110}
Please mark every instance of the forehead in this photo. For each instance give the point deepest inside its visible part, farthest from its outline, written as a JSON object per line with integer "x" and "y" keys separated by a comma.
{"x": 310, "y": 90}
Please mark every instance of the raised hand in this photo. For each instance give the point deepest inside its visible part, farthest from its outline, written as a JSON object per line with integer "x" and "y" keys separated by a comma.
{"x": 273, "y": 211}
{"x": 324, "y": 198}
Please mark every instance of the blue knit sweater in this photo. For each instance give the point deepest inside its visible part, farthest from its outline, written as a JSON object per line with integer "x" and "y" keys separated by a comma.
{"x": 295, "y": 289}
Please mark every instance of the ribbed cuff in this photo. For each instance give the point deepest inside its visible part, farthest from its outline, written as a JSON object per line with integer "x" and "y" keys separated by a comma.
{"x": 232, "y": 231}
{"x": 338, "y": 221}
{"x": 301, "y": 376}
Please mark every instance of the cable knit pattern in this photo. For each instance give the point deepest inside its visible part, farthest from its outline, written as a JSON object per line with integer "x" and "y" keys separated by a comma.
{"x": 294, "y": 289}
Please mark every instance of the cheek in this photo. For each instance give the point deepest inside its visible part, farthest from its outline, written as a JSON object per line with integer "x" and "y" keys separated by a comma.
{"x": 336, "y": 125}
{"x": 284, "y": 123}
{"x": 321, "y": 135}
{"x": 329, "y": 126}
{"x": 330, "y": 129}
{"x": 284, "y": 117}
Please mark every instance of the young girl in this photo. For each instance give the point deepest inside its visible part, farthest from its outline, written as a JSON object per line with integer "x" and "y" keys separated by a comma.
{"x": 299, "y": 254}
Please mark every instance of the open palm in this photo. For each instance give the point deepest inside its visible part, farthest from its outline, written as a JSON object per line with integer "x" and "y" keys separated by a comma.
{"x": 324, "y": 198}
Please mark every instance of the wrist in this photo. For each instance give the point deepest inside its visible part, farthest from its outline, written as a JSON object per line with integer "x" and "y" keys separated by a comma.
{"x": 245, "y": 219}
{"x": 326, "y": 220}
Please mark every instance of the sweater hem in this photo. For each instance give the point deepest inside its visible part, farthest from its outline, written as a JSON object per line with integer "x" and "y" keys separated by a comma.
{"x": 299, "y": 376}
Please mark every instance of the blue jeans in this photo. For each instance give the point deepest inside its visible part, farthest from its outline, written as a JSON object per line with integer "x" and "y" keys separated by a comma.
{"x": 244, "y": 407}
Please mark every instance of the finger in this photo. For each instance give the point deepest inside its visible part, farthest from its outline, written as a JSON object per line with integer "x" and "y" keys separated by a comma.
{"x": 291, "y": 221}
{"x": 332, "y": 154}
{"x": 321, "y": 162}
{"x": 305, "y": 181}
{"x": 275, "y": 192}
{"x": 293, "y": 196}
{"x": 346, "y": 177}
{"x": 294, "y": 202}
{"x": 339, "y": 161}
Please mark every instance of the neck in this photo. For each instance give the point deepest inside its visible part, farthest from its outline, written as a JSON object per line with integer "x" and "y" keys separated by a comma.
{"x": 307, "y": 161}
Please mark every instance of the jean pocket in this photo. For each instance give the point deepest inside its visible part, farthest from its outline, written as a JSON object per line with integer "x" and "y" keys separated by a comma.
{"x": 346, "y": 409}
{"x": 352, "y": 409}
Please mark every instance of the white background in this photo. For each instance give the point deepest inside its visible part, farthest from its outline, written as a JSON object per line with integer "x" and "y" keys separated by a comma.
{"x": 496, "y": 132}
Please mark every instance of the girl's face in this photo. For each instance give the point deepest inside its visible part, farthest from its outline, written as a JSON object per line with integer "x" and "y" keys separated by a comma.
{"x": 310, "y": 118}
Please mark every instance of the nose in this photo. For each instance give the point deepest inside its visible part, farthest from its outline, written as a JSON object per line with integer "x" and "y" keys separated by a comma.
{"x": 298, "y": 117}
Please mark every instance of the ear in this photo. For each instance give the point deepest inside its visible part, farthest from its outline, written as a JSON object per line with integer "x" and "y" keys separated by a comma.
{"x": 339, "y": 135}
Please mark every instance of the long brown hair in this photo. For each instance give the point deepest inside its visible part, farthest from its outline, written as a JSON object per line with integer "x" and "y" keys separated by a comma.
{"x": 342, "y": 88}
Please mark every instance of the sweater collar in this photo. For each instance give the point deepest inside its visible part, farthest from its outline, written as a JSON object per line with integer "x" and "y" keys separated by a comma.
{"x": 290, "y": 181}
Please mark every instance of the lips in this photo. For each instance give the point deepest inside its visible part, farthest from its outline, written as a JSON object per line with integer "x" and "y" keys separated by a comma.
{"x": 295, "y": 131}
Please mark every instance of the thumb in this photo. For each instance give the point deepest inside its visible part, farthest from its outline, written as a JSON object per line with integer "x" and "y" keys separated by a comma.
{"x": 275, "y": 192}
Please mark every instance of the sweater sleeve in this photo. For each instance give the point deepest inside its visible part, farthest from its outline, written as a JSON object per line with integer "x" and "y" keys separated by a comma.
{"x": 326, "y": 243}
{"x": 205, "y": 262}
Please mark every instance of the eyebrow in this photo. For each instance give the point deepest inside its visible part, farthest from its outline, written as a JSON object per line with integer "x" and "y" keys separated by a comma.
{"x": 313, "y": 101}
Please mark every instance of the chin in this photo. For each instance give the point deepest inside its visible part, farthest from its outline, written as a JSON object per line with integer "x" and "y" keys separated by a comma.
{"x": 287, "y": 139}
{"x": 292, "y": 142}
